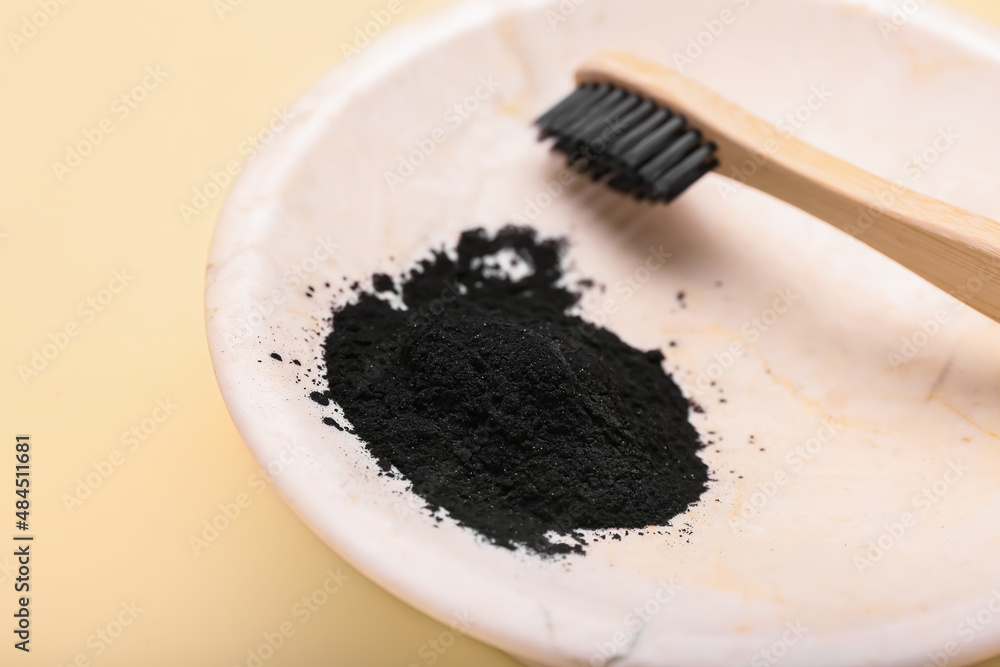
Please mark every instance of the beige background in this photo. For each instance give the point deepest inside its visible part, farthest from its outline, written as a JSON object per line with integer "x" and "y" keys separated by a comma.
{"x": 224, "y": 67}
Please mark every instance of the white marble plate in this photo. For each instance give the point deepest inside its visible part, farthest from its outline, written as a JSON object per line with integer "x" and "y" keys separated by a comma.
{"x": 855, "y": 514}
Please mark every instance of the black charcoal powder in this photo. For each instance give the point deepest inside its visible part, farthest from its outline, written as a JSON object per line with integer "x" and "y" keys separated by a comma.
{"x": 514, "y": 416}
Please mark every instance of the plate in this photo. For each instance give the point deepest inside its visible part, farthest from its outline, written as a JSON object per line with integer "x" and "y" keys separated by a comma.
{"x": 851, "y": 408}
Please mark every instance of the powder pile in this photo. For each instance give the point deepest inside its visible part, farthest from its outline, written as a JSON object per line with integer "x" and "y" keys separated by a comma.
{"x": 519, "y": 419}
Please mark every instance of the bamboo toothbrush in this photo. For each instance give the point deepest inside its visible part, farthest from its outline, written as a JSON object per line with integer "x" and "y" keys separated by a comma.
{"x": 652, "y": 132}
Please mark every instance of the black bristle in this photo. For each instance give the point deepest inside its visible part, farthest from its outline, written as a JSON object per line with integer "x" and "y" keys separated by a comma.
{"x": 593, "y": 131}
{"x": 670, "y": 156}
{"x": 642, "y": 148}
{"x": 646, "y": 125}
{"x": 570, "y": 100}
{"x": 651, "y": 144}
{"x": 579, "y": 107}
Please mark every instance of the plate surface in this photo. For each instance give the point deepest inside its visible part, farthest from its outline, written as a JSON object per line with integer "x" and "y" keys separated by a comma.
{"x": 852, "y": 409}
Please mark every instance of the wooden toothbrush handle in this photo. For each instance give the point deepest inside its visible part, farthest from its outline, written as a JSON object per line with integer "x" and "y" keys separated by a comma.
{"x": 950, "y": 247}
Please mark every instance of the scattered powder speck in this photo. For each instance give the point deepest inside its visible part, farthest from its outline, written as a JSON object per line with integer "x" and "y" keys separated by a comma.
{"x": 382, "y": 282}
